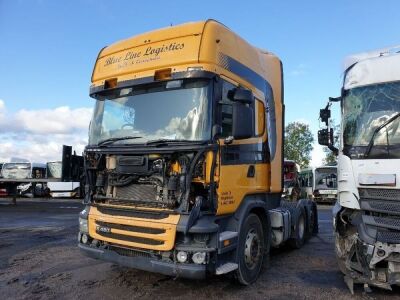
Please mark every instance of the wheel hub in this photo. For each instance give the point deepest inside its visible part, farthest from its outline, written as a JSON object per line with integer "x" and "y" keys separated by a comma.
{"x": 252, "y": 249}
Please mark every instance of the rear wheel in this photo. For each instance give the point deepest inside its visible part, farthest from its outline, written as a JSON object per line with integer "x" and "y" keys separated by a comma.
{"x": 251, "y": 250}
{"x": 299, "y": 231}
{"x": 313, "y": 221}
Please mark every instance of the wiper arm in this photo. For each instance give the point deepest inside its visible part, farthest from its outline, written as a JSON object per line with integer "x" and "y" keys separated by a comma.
{"x": 114, "y": 139}
{"x": 371, "y": 142}
{"x": 167, "y": 141}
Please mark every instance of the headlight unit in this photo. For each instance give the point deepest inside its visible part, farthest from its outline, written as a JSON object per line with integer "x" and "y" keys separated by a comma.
{"x": 83, "y": 225}
{"x": 182, "y": 256}
{"x": 199, "y": 258}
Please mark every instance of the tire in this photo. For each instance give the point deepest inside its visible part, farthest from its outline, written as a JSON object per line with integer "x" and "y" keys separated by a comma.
{"x": 300, "y": 230}
{"x": 312, "y": 228}
{"x": 251, "y": 250}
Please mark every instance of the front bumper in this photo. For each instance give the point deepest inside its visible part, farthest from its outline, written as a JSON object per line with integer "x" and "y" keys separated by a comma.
{"x": 62, "y": 194}
{"x": 191, "y": 271}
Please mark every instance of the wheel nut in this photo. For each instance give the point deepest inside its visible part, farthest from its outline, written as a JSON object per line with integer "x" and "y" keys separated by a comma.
{"x": 381, "y": 253}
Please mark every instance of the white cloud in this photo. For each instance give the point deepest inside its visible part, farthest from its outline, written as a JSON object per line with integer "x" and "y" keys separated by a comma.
{"x": 38, "y": 135}
{"x": 300, "y": 69}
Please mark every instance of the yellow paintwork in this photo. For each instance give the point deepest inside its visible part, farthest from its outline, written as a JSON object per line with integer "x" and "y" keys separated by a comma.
{"x": 168, "y": 224}
{"x": 199, "y": 44}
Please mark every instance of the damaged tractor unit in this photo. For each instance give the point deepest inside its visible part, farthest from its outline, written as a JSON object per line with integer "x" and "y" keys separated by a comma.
{"x": 184, "y": 163}
{"x": 367, "y": 214}
{"x": 174, "y": 180}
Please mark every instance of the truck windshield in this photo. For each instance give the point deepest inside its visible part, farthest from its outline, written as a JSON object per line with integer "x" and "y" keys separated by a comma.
{"x": 364, "y": 110}
{"x": 173, "y": 110}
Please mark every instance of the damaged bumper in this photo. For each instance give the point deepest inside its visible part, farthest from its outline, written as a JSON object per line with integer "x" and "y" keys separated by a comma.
{"x": 375, "y": 264}
{"x": 368, "y": 240}
{"x": 191, "y": 271}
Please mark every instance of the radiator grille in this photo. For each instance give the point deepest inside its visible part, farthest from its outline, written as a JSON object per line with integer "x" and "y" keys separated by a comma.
{"x": 383, "y": 194}
{"x": 128, "y": 238}
{"x": 139, "y": 192}
{"x": 130, "y": 252}
{"x": 381, "y": 213}
{"x": 389, "y": 237}
{"x": 159, "y": 215}
{"x": 131, "y": 228}
{"x": 395, "y": 223}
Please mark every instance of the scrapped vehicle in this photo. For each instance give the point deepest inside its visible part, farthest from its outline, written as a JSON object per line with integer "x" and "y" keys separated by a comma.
{"x": 32, "y": 190}
{"x": 325, "y": 185}
{"x": 366, "y": 216}
{"x": 184, "y": 163}
{"x": 23, "y": 170}
{"x": 61, "y": 189}
{"x": 291, "y": 185}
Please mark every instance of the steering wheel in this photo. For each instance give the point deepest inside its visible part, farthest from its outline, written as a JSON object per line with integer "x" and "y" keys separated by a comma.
{"x": 127, "y": 125}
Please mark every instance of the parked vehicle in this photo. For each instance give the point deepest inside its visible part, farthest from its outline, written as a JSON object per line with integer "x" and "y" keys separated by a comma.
{"x": 184, "y": 165}
{"x": 23, "y": 170}
{"x": 61, "y": 189}
{"x": 319, "y": 184}
{"x": 291, "y": 184}
{"x": 325, "y": 184}
{"x": 307, "y": 183}
{"x": 366, "y": 217}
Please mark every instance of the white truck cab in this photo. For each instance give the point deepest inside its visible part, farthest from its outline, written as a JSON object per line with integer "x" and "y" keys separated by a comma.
{"x": 366, "y": 216}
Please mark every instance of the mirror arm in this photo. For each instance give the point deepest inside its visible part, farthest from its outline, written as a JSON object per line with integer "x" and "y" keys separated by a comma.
{"x": 333, "y": 149}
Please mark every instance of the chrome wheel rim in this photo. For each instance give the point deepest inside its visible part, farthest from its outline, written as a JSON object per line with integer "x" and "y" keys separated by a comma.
{"x": 252, "y": 249}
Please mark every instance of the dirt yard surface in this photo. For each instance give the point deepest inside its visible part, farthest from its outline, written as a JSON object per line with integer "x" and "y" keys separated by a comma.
{"x": 39, "y": 259}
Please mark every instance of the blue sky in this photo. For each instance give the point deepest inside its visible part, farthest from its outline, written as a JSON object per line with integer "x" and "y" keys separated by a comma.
{"x": 48, "y": 48}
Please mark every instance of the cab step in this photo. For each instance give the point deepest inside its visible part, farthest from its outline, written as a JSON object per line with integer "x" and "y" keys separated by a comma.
{"x": 226, "y": 268}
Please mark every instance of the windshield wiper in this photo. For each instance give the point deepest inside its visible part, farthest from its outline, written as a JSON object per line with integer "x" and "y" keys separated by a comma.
{"x": 115, "y": 139}
{"x": 167, "y": 141}
{"x": 371, "y": 142}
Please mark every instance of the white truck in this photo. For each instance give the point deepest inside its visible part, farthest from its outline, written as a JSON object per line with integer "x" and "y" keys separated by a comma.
{"x": 61, "y": 189}
{"x": 367, "y": 214}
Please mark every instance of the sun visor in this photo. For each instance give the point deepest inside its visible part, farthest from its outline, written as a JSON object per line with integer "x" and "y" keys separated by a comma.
{"x": 373, "y": 70}
{"x": 156, "y": 55}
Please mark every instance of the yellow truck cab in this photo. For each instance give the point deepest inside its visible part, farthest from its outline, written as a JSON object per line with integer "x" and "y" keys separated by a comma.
{"x": 184, "y": 162}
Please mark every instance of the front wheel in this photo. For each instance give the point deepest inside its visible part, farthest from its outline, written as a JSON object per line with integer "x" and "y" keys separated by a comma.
{"x": 251, "y": 250}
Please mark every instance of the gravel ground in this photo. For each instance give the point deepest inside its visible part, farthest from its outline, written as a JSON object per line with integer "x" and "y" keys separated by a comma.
{"x": 39, "y": 259}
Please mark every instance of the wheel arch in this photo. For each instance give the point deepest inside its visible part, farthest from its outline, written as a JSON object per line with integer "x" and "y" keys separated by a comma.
{"x": 259, "y": 204}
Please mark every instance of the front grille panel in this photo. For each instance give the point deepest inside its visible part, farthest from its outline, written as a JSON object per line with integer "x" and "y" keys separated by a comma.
{"x": 379, "y": 194}
{"x": 133, "y": 239}
{"x": 159, "y": 215}
{"x": 387, "y": 207}
{"x": 392, "y": 237}
{"x": 130, "y": 252}
{"x": 133, "y": 232}
{"x": 381, "y": 213}
{"x": 131, "y": 228}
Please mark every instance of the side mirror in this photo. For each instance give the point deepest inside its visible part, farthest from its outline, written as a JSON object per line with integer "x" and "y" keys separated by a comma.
{"x": 325, "y": 115}
{"x": 325, "y": 137}
{"x": 241, "y": 95}
{"x": 242, "y": 121}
